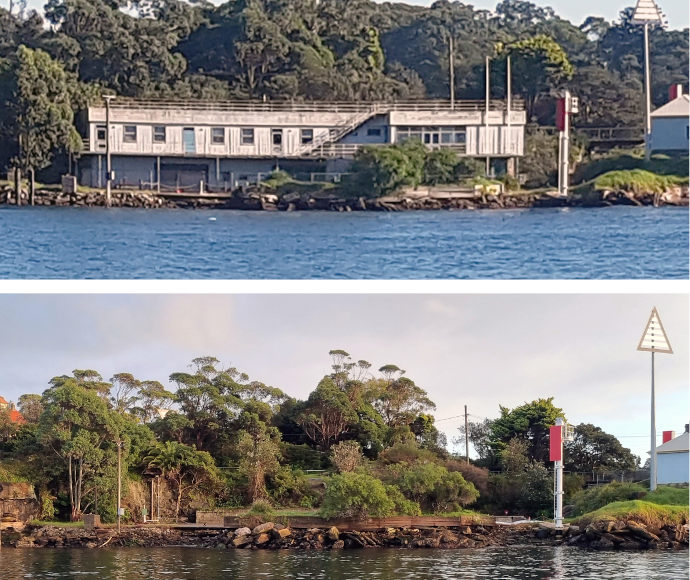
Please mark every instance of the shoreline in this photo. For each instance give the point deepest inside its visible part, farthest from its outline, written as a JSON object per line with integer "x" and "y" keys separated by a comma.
{"x": 426, "y": 200}
{"x": 617, "y": 536}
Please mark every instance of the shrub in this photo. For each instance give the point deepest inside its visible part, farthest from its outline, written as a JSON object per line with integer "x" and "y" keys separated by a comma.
{"x": 356, "y": 495}
{"x": 288, "y": 486}
{"x": 261, "y": 507}
{"x": 433, "y": 486}
{"x": 477, "y": 476}
{"x": 406, "y": 453}
{"x": 403, "y": 505}
{"x": 597, "y": 497}
{"x": 439, "y": 167}
{"x": 347, "y": 456}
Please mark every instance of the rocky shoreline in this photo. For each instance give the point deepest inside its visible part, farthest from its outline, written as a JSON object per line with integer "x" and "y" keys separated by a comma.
{"x": 257, "y": 200}
{"x": 620, "y": 535}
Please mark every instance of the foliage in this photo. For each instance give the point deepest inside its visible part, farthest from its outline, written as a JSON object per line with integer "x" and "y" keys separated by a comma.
{"x": 261, "y": 507}
{"x": 289, "y": 487}
{"x": 477, "y": 476}
{"x": 346, "y": 456}
{"x": 36, "y": 116}
{"x": 666, "y": 495}
{"x": 440, "y": 166}
{"x": 636, "y": 181}
{"x": 356, "y": 495}
{"x": 593, "y": 449}
{"x": 540, "y": 160}
{"x": 433, "y": 486}
{"x": 594, "y": 498}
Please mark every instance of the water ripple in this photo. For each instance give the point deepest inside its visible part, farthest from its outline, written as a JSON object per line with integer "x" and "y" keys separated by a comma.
{"x": 605, "y": 243}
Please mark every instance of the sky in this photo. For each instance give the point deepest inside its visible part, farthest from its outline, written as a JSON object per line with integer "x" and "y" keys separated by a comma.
{"x": 575, "y": 11}
{"x": 479, "y": 350}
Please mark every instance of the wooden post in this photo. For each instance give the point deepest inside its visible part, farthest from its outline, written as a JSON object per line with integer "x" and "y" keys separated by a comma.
{"x": 18, "y": 185}
{"x": 158, "y": 173}
{"x": 32, "y": 187}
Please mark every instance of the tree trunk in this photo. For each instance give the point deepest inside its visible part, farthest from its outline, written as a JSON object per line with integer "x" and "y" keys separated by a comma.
{"x": 179, "y": 500}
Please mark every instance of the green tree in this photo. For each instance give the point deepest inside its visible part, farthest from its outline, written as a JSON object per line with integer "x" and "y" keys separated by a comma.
{"x": 592, "y": 449}
{"x": 327, "y": 414}
{"x": 187, "y": 468}
{"x": 36, "y": 116}
{"x": 77, "y": 427}
{"x": 31, "y": 407}
{"x": 540, "y": 65}
{"x": 529, "y": 423}
{"x": 356, "y": 495}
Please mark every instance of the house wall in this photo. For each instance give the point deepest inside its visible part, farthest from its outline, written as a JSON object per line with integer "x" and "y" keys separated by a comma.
{"x": 672, "y": 467}
{"x": 361, "y": 134}
{"x": 670, "y": 134}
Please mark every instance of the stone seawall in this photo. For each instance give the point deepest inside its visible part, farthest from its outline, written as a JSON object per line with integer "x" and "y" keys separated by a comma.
{"x": 273, "y": 536}
{"x": 257, "y": 200}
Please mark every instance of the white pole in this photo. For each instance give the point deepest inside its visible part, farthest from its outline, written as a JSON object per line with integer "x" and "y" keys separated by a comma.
{"x": 558, "y": 474}
{"x": 652, "y": 453}
{"x": 119, "y": 482}
{"x": 648, "y": 95}
{"x": 451, "y": 67}
{"x": 566, "y": 146}
{"x": 108, "y": 199}
{"x": 509, "y": 104}
{"x": 486, "y": 117}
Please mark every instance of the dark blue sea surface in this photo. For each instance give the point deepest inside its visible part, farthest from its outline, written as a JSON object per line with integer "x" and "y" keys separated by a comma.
{"x": 597, "y": 243}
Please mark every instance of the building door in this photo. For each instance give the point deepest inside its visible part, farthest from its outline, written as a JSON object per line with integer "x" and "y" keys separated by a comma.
{"x": 277, "y": 140}
{"x": 189, "y": 140}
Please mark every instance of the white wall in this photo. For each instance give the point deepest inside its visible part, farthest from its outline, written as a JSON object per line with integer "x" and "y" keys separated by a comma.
{"x": 670, "y": 133}
{"x": 672, "y": 468}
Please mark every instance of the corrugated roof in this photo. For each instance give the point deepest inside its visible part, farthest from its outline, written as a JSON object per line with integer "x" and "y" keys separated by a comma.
{"x": 677, "y": 445}
{"x": 679, "y": 107}
{"x": 2, "y": 401}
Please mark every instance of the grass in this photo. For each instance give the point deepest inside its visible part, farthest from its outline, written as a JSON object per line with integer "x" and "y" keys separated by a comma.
{"x": 56, "y": 524}
{"x": 645, "y": 512}
{"x": 622, "y": 160}
{"x": 666, "y": 495}
{"x": 637, "y": 181}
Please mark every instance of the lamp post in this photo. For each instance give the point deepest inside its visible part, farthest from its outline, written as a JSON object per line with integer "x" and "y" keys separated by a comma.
{"x": 654, "y": 340}
{"x": 108, "y": 168}
{"x": 119, "y": 483}
{"x": 647, "y": 13}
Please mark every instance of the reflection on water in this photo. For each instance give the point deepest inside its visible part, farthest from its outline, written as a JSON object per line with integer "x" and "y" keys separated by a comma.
{"x": 519, "y": 563}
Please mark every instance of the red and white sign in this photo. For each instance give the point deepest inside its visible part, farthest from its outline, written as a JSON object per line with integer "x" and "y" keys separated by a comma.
{"x": 555, "y": 443}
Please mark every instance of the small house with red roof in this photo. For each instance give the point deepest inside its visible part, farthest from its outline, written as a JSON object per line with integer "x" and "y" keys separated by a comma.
{"x": 15, "y": 416}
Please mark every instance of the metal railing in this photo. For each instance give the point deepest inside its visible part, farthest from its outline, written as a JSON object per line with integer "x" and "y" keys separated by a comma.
{"x": 314, "y": 106}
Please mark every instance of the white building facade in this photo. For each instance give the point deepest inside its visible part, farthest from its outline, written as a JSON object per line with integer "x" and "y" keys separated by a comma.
{"x": 670, "y": 127}
{"x": 673, "y": 463}
{"x": 180, "y": 144}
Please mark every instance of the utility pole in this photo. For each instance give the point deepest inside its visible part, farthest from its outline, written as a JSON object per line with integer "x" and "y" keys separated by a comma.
{"x": 108, "y": 168}
{"x": 467, "y": 439}
{"x": 647, "y": 13}
{"x": 119, "y": 482}
{"x": 654, "y": 340}
{"x": 486, "y": 116}
{"x": 451, "y": 68}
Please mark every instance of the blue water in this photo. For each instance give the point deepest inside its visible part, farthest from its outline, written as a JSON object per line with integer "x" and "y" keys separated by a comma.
{"x": 599, "y": 243}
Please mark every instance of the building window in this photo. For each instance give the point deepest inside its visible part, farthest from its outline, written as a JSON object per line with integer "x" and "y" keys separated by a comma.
{"x": 306, "y": 136}
{"x": 159, "y": 134}
{"x": 247, "y": 137}
{"x": 130, "y": 134}
{"x": 374, "y": 132}
{"x": 277, "y": 140}
{"x": 217, "y": 135}
{"x": 100, "y": 133}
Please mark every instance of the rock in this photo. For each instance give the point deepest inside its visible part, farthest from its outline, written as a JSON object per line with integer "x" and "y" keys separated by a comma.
{"x": 261, "y": 528}
{"x": 242, "y": 531}
{"x": 641, "y": 531}
{"x": 333, "y": 534}
{"x": 279, "y": 533}
{"x": 466, "y": 530}
{"x": 242, "y": 541}
{"x": 262, "y": 539}
{"x": 338, "y": 545}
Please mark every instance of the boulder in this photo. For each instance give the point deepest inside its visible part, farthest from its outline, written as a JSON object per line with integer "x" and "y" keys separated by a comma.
{"x": 279, "y": 533}
{"x": 242, "y": 541}
{"x": 338, "y": 545}
{"x": 242, "y": 531}
{"x": 333, "y": 534}
{"x": 262, "y": 539}
{"x": 262, "y": 528}
{"x": 641, "y": 531}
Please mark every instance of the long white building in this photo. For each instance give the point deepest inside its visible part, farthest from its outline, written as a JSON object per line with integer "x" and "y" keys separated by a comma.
{"x": 222, "y": 144}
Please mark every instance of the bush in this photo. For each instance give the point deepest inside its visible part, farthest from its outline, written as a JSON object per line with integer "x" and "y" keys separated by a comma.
{"x": 433, "y": 486}
{"x": 406, "y": 453}
{"x": 303, "y": 457}
{"x": 356, "y": 495}
{"x": 477, "y": 476}
{"x": 594, "y": 498}
{"x": 261, "y": 507}
{"x": 347, "y": 456}
{"x": 439, "y": 167}
{"x": 288, "y": 486}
